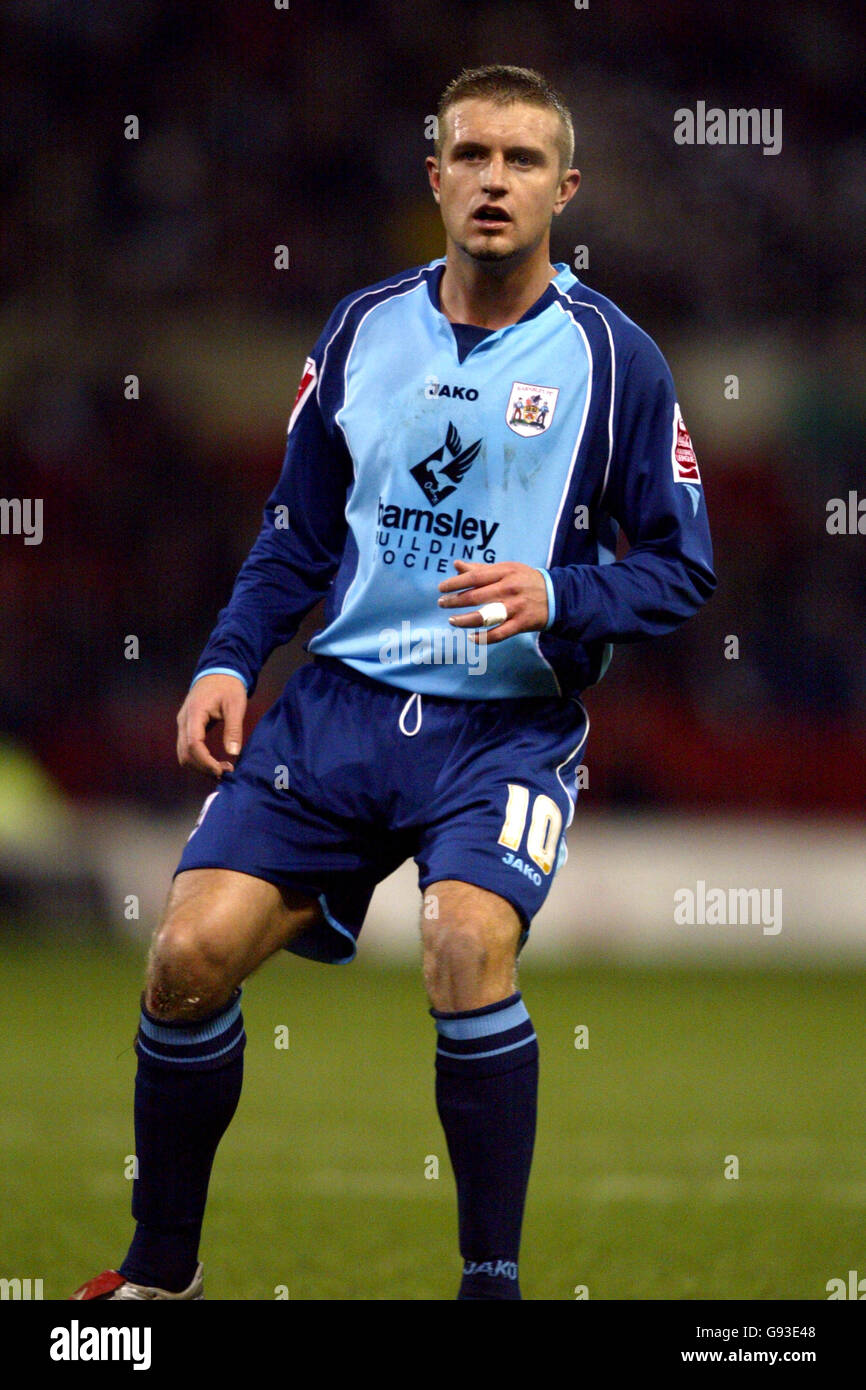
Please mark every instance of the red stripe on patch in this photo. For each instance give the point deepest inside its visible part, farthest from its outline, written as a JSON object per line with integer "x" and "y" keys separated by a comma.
{"x": 307, "y": 382}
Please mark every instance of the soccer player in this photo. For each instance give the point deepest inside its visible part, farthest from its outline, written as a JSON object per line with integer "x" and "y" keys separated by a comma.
{"x": 429, "y": 513}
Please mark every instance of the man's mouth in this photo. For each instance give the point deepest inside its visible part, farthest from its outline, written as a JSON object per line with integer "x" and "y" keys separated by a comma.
{"x": 489, "y": 215}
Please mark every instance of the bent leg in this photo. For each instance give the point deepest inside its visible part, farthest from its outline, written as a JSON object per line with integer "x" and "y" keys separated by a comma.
{"x": 218, "y": 926}
{"x": 486, "y": 1076}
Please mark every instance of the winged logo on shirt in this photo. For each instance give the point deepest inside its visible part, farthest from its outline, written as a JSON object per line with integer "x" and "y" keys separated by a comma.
{"x": 438, "y": 479}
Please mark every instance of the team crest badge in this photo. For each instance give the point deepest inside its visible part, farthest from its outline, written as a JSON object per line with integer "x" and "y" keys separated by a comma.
{"x": 530, "y": 408}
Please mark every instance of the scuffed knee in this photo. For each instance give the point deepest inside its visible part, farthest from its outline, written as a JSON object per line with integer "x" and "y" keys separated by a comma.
{"x": 188, "y": 975}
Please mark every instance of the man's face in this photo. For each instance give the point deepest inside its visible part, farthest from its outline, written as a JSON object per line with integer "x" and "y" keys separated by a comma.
{"x": 498, "y": 181}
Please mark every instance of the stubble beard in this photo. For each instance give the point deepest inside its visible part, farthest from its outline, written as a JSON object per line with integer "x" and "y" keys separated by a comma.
{"x": 490, "y": 255}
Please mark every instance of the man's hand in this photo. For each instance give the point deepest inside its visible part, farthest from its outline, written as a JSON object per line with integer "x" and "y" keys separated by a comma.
{"x": 520, "y": 587}
{"x": 211, "y": 698}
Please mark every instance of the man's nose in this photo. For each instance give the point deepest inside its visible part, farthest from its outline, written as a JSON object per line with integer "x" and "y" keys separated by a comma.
{"x": 494, "y": 175}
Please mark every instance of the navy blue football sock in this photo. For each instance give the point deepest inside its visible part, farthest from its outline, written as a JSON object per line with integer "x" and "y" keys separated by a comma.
{"x": 487, "y": 1094}
{"x": 187, "y": 1089}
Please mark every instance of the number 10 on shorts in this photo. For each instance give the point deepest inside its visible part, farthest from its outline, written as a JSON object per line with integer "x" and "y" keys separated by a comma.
{"x": 544, "y": 826}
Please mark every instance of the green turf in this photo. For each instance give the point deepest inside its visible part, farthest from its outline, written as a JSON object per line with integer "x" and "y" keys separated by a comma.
{"x": 320, "y": 1183}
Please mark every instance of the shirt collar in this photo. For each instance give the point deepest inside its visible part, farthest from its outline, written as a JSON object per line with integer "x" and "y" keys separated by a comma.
{"x": 547, "y": 298}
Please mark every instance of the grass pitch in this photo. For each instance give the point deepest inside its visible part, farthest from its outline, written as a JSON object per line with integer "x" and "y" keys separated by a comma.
{"x": 320, "y": 1188}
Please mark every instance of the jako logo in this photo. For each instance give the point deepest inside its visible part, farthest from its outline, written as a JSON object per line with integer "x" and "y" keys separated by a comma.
{"x": 856, "y": 1288}
{"x": 76, "y": 1343}
{"x": 710, "y": 907}
{"x": 21, "y": 1289}
{"x": 737, "y": 126}
{"x": 432, "y": 389}
{"x": 505, "y": 1269}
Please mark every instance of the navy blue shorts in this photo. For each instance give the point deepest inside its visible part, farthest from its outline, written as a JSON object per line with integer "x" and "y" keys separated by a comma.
{"x": 345, "y": 778}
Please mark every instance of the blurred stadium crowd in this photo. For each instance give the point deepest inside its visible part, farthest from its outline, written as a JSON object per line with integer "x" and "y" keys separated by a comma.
{"x": 307, "y": 128}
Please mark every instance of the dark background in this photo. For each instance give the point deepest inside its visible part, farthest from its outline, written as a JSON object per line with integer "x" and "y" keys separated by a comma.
{"x": 306, "y": 128}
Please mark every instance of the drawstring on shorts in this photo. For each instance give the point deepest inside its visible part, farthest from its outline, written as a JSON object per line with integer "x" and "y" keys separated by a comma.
{"x": 410, "y": 733}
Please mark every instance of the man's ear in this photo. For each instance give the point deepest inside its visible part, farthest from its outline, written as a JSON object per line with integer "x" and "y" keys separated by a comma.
{"x": 432, "y": 164}
{"x": 568, "y": 186}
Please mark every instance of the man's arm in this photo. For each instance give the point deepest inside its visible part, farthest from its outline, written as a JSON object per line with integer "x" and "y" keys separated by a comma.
{"x": 654, "y": 493}
{"x": 289, "y": 568}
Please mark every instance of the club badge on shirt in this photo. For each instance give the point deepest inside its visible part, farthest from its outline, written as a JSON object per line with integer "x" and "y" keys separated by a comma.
{"x": 530, "y": 408}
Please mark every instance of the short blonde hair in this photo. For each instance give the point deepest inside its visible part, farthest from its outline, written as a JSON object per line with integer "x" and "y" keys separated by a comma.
{"x": 502, "y": 84}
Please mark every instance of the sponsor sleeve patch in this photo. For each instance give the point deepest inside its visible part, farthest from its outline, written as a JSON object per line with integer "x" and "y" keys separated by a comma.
{"x": 683, "y": 456}
{"x": 305, "y": 386}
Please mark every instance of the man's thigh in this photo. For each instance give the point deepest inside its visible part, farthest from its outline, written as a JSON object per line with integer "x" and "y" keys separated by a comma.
{"x": 503, "y": 801}
{"x": 306, "y": 806}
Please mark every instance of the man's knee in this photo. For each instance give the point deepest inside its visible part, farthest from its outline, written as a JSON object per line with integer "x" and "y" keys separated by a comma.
{"x": 470, "y": 950}
{"x": 219, "y": 926}
{"x": 190, "y": 970}
{"x": 458, "y": 948}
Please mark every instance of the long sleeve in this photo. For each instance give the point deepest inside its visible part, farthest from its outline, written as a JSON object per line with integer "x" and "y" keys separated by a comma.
{"x": 654, "y": 492}
{"x": 298, "y": 549}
